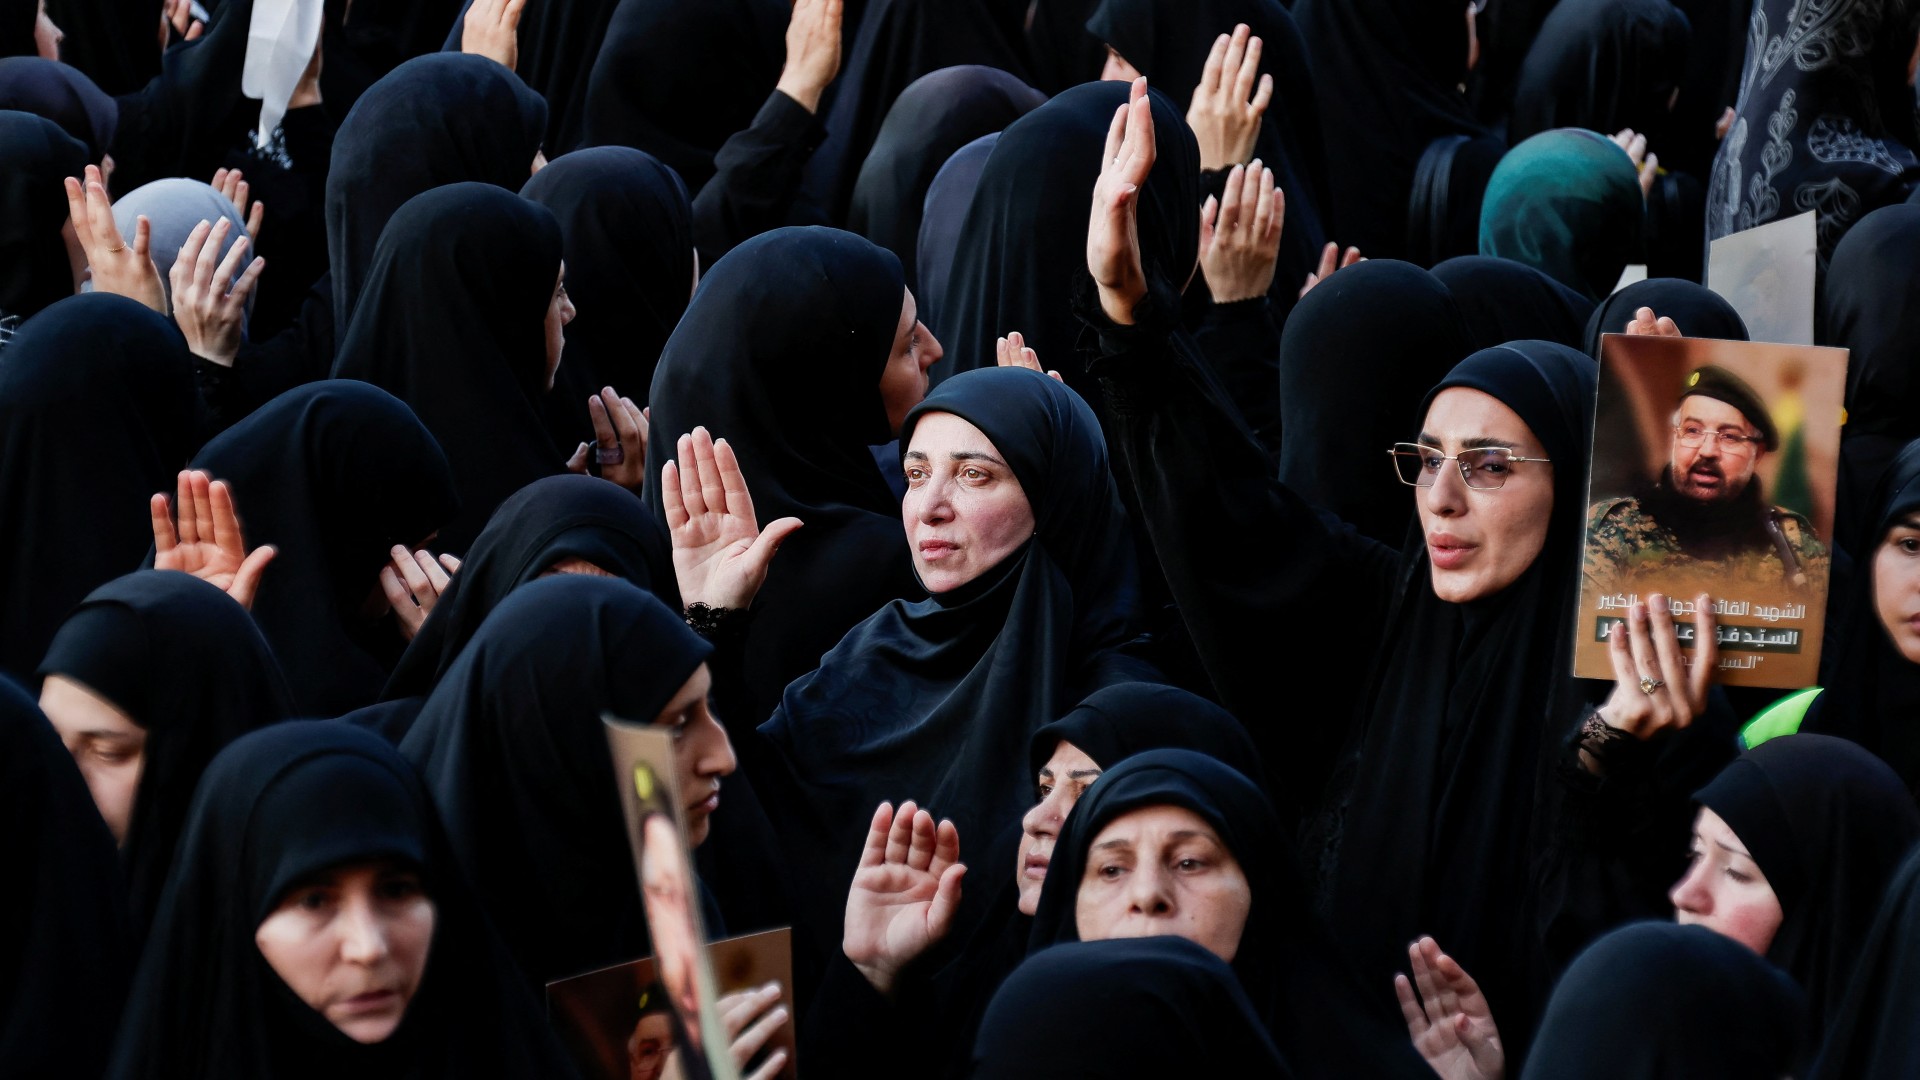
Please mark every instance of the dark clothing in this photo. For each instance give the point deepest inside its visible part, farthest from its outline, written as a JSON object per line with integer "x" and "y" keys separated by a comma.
{"x": 756, "y": 178}
{"x": 35, "y": 155}
{"x": 558, "y": 42}
{"x": 1698, "y": 311}
{"x": 1872, "y": 309}
{"x": 1871, "y": 1035}
{"x": 942, "y": 221}
{"x": 63, "y": 95}
{"x": 1602, "y": 65}
{"x": 1503, "y": 300}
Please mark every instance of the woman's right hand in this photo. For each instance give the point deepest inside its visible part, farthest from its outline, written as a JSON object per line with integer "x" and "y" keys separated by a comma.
{"x": 1450, "y": 1022}
{"x": 1113, "y": 230}
{"x": 720, "y": 553}
{"x": 904, "y": 894}
{"x": 207, "y": 541}
{"x": 492, "y": 29}
{"x": 751, "y": 1017}
{"x": 116, "y": 266}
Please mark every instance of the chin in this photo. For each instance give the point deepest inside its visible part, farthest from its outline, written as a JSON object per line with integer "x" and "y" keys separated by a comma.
{"x": 368, "y": 1030}
{"x": 1454, "y": 587}
{"x": 697, "y": 828}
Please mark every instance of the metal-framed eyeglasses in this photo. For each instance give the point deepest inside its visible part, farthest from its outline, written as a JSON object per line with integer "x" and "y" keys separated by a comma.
{"x": 1484, "y": 468}
{"x": 1733, "y": 444}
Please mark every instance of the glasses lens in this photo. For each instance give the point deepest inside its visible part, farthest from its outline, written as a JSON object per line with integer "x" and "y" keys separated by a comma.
{"x": 1692, "y": 435}
{"x": 1736, "y": 446}
{"x": 1416, "y": 464}
{"x": 1486, "y": 467}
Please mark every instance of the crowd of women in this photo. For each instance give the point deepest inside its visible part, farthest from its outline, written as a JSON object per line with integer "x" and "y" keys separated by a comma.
{"x": 962, "y": 424}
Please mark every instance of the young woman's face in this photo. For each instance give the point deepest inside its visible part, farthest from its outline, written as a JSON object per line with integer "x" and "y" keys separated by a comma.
{"x": 903, "y": 382}
{"x": 1724, "y": 890}
{"x": 1480, "y": 540}
{"x": 559, "y": 313}
{"x": 1162, "y": 870}
{"x": 1063, "y": 779}
{"x": 702, "y": 754}
{"x": 105, "y": 742}
{"x": 352, "y": 943}
{"x": 1896, "y": 586}
{"x": 965, "y": 510}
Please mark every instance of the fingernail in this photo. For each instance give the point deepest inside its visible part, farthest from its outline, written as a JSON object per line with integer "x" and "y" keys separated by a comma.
{"x": 1659, "y": 602}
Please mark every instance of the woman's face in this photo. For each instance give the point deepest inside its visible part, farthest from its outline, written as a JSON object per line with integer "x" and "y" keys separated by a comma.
{"x": 1896, "y": 586}
{"x": 46, "y": 36}
{"x": 965, "y": 510}
{"x": 106, "y": 744}
{"x": 1723, "y": 888}
{"x": 352, "y": 942}
{"x": 1117, "y": 69}
{"x": 702, "y": 754}
{"x": 559, "y": 313}
{"x": 903, "y": 383}
{"x": 1480, "y": 540}
{"x": 1063, "y": 779}
{"x": 1162, "y": 870}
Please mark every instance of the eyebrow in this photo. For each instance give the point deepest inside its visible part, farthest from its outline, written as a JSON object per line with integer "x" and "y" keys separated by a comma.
{"x": 1106, "y": 845}
{"x": 1911, "y": 521}
{"x": 1478, "y": 442}
{"x": 1732, "y": 850}
{"x": 958, "y": 455}
{"x": 111, "y": 736}
{"x": 1729, "y": 425}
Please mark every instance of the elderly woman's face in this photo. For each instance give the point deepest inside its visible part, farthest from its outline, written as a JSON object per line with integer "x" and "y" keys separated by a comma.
{"x": 1723, "y": 888}
{"x": 965, "y": 510}
{"x": 1480, "y": 540}
{"x": 1062, "y": 780}
{"x": 352, "y": 943}
{"x": 1162, "y": 870}
{"x": 1896, "y": 586}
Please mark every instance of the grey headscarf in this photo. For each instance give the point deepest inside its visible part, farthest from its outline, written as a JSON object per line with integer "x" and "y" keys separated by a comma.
{"x": 173, "y": 207}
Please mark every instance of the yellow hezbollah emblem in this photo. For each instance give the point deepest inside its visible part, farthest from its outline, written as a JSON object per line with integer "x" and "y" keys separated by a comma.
{"x": 1693, "y": 379}
{"x": 643, "y": 782}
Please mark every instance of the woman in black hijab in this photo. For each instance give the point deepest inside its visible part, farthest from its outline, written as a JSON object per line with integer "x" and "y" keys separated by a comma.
{"x": 1664, "y": 1002}
{"x": 938, "y": 114}
{"x": 512, "y": 748}
{"x": 433, "y": 120}
{"x": 188, "y": 672}
{"x": 288, "y": 825}
{"x": 1871, "y": 1035}
{"x": 557, "y": 41}
{"x": 1698, "y": 311}
{"x": 62, "y": 95}
{"x": 97, "y": 412}
{"x": 35, "y": 268}
{"x": 64, "y": 969}
{"x": 626, "y": 229}
{"x": 943, "y": 217}
{"x": 1602, "y": 65}
{"x": 459, "y": 319}
{"x": 560, "y": 525}
{"x": 113, "y": 42}
{"x": 1504, "y": 301}
{"x": 1302, "y": 990}
{"x": 1871, "y": 308}
{"x": 1150, "y": 1007}
{"x": 333, "y": 475}
{"x": 1356, "y": 356}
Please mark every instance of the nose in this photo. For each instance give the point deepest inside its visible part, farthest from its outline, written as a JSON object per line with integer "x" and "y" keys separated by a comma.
{"x": 567, "y": 310}
{"x": 930, "y": 350}
{"x": 363, "y": 938}
{"x": 1447, "y": 496}
{"x": 1044, "y": 819}
{"x": 1690, "y": 894}
{"x": 1148, "y": 894}
{"x": 717, "y": 758}
{"x": 1709, "y": 445}
{"x": 932, "y": 504}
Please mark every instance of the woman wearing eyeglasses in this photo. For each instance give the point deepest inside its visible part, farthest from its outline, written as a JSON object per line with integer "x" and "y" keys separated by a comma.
{"x": 1421, "y": 693}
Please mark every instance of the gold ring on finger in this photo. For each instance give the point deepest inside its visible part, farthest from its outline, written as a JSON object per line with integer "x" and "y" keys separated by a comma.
{"x": 1649, "y": 685}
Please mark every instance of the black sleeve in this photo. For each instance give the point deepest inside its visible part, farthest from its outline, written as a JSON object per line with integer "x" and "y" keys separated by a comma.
{"x": 263, "y": 370}
{"x": 757, "y": 175}
{"x": 852, "y": 1031}
{"x": 1242, "y": 346}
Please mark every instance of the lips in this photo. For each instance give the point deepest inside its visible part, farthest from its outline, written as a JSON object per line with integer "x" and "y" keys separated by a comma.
{"x": 933, "y": 550}
{"x": 1034, "y": 868}
{"x": 707, "y": 805}
{"x": 371, "y": 1001}
{"x": 1448, "y": 552}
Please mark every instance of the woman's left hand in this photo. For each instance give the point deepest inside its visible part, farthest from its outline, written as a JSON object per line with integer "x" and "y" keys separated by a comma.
{"x": 720, "y": 553}
{"x": 1012, "y": 351}
{"x": 759, "y": 1007}
{"x": 208, "y": 541}
{"x": 492, "y": 29}
{"x": 1655, "y": 689}
{"x": 116, "y": 266}
{"x": 1113, "y": 230}
{"x": 413, "y": 582}
{"x": 1240, "y": 235}
{"x": 1224, "y": 122}
{"x": 1450, "y": 1022}
{"x": 619, "y": 440}
{"x": 208, "y": 313}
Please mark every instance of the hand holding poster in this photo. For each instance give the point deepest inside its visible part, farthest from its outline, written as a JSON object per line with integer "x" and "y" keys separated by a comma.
{"x": 1713, "y": 472}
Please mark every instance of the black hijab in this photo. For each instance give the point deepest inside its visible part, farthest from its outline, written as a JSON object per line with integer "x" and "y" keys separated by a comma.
{"x": 1828, "y": 824}
{"x": 185, "y": 663}
{"x": 1390, "y": 74}
{"x": 62, "y": 95}
{"x": 186, "y": 120}
{"x": 332, "y": 474}
{"x": 1355, "y": 358}
{"x": 1871, "y": 1035}
{"x": 274, "y": 808}
{"x": 434, "y": 120}
{"x": 547, "y": 522}
{"x": 65, "y": 964}
{"x": 1140, "y": 1007}
{"x": 1658, "y": 1001}
{"x": 35, "y": 155}
{"x": 558, "y": 41}
{"x": 513, "y": 750}
{"x": 110, "y": 41}
{"x": 1504, "y": 301}
{"x": 1872, "y": 309}
{"x": 1024, "y": 242}
{"x": 678, "y": 80}
{"x": 19, "y": 21}
{"x": 1825, "y": 119}
{"x": 1301, "y": 989}
{"x": 943, "y": 215}
{"x": 781, "y": 354}
{"x": 938, "y": 114}
{"x": 626, "y": 228}
{"x": 1443, "y": 209}
{"x": 1116, "y": 722}
{"x": 97, "y": 412}
{"x": 1602, "y": 65}
{"x": 1434, "y": 809}
{"x": 1697, "y": 310}
{"x": 1872, "y": 690}
{"x": 453, "y": 322}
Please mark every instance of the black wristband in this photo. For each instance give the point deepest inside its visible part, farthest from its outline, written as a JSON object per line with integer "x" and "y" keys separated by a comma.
{"x": 716, "y": 623}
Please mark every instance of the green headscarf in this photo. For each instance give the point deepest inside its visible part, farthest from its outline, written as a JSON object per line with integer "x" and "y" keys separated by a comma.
{"x": 1568, "y": 203}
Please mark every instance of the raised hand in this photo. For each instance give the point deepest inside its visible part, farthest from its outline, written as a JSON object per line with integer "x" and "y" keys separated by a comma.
{"x": 619, "y": 440}
{"x": 1224, "y": 122}
{"x": 720, "y": 553}
{"x": 1450, "y": 1022}
{"x": 1012, "y": 351}
{"x": 1113, "y": 230}
{"x": 1240, "y": 235}
{"x": 492, "y": 29}
{"x": 208, "y": 541}
{"x": 234, "y": 186}
{"x": 209, "y": 313}
{"x": 1655, "y": 689}
{"x": 1330, "y": 260}
{"x": 116, "y": 266}
{"x": 904, "y": 893}
{"x": 177, "y": 15}
{"x": 413, "y": 582}
{"x": 1645, "y": 164}
{"x": 1645, "y": 325}
{"x": 759, "y": 1007}
{"x": 813, "y": 51}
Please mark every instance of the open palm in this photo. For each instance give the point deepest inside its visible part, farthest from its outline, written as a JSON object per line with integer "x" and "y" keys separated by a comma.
{"x": 207, "y": 541}
{"x": 720, "y": 553}
{"x": 1450, "y": 1022}
{"x": 904, "y": 893}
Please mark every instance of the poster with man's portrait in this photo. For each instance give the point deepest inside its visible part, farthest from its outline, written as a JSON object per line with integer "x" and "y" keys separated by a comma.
{"x": 1713, "y": 471}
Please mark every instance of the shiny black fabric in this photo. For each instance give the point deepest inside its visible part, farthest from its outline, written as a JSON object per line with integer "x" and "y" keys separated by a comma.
{"x": 62, "y": 95}
{"x": 1871, "y": 307}
{"x": 187, "y": 665}
{"x": 97, "y": 413}
{"x": 1698, "y": 311}
{"x": 112, "y": 42}
{"x": 1504, "y": 301}
{"x": 1117, "y": 722}
{"x": 453, "y": 322}
{"x": 275, "y": 808}
{"x": 558, "y": 43}
{"x": 943, "y": 216}
{"x": 35, "y": 155}
{"x": 1602, "y": 65}
{"x": 333, "y": 475}
{"x": 1872, "y": 1035}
